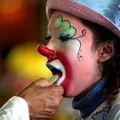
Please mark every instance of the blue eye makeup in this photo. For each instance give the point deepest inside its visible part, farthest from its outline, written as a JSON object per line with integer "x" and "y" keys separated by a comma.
{"x": 48, "y": 37}
{"x": 64, "y": 37}
{"x": 64, "y": 28}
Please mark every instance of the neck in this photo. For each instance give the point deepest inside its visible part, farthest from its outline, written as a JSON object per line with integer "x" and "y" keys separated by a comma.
{"x": 92, "y": 99}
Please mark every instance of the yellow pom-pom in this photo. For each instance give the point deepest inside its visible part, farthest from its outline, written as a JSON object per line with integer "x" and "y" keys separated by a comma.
{"x": 25, "y": 60}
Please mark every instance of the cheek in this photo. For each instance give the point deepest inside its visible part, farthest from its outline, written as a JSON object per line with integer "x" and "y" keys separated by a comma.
{"x": 72, "y": 79}
{"x": 72, "y": 49}
{"x": 81, "y": 75}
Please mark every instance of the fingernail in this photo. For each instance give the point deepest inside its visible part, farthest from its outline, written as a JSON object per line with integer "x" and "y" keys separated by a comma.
{"x": 53, "y": 79}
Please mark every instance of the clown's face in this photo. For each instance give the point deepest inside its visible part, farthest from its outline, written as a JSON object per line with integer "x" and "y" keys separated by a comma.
{"x": 71, "y": 53}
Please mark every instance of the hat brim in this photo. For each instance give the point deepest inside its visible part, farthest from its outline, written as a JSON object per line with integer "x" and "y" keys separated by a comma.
{"x": 80, "y": 11}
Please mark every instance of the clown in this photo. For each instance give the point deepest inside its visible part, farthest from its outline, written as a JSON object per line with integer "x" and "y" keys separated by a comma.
{"x": 83, "y": 50}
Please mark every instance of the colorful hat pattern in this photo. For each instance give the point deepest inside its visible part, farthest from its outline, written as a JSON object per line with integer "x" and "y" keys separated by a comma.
{"x": 103, "y": 12}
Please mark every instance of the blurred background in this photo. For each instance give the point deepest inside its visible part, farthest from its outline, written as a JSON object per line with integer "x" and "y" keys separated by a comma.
{"x": 22, "y": 27}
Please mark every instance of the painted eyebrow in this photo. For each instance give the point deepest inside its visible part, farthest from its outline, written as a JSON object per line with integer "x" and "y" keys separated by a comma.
{"x": 61, "y": 22}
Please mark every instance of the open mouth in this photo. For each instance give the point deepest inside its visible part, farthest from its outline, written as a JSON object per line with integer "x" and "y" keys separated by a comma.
{"x": 57, "y": 67}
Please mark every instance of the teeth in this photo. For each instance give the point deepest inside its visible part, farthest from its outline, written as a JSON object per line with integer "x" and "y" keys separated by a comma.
{"x": 56, "y": 64}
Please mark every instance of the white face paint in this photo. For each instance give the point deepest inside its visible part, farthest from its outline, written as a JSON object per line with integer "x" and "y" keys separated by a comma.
{"x": 75, "y": 57}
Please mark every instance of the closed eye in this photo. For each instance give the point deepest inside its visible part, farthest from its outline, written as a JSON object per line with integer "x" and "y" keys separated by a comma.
{"x": 64, "y": 37}
{"x": 48, "y": 38}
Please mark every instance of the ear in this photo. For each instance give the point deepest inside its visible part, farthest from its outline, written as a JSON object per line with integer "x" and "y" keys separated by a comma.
{"x": 105, "y": 51}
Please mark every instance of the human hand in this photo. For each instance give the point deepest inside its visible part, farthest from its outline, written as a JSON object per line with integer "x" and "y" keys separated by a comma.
{"x": 43, "y": 98}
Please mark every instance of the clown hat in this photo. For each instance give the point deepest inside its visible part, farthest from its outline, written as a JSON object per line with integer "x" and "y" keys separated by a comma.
{"x": 102, "y": 12}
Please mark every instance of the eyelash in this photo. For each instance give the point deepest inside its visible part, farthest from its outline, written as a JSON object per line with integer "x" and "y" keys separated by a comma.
{"x": 62, "y": 38}
{"x": 48, "y": 38}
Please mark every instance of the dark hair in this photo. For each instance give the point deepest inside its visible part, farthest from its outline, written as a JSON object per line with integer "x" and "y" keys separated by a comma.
{"x": 111, "y": 66}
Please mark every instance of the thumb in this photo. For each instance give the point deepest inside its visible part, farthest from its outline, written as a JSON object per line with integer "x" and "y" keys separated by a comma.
{"x": 46, "y": 83}
{"x": 53, "y": 79}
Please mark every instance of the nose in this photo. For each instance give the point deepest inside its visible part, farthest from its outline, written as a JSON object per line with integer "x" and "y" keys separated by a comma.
{"x": 45, "y": 51}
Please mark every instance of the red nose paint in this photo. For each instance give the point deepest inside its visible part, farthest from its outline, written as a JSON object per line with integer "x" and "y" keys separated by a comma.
{"x": 45, "y": 51}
